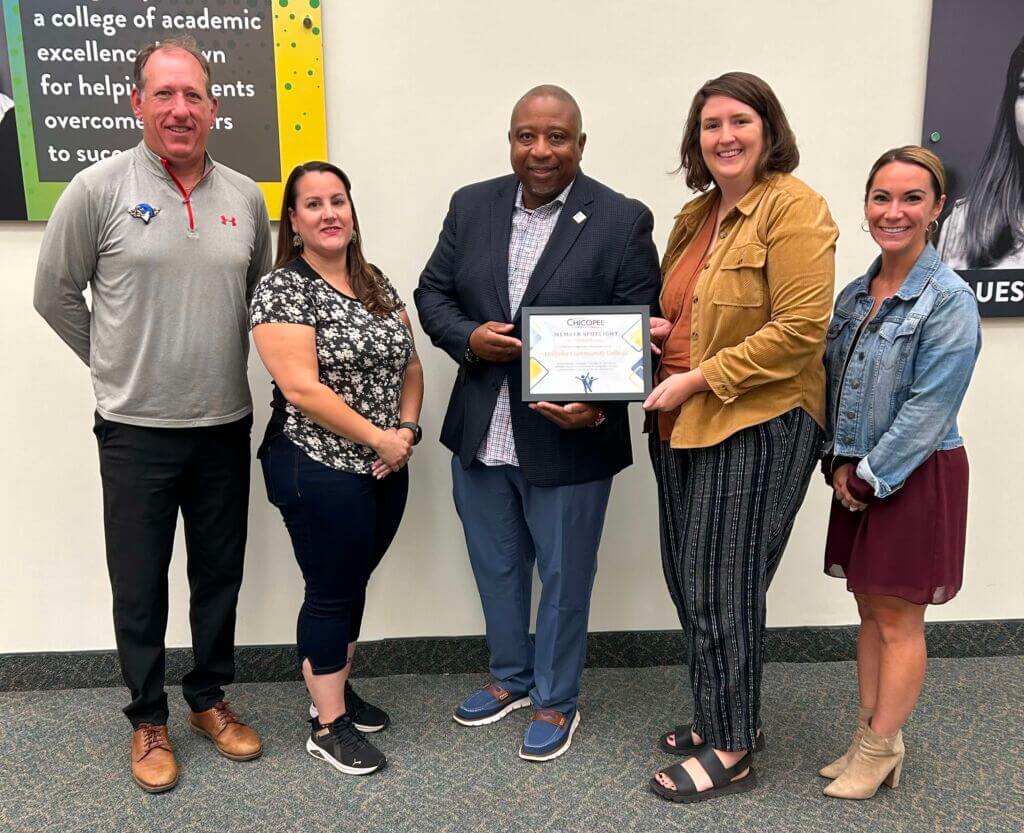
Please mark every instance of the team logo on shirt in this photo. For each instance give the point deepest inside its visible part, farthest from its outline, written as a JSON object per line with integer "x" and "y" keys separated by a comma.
{"x": 228, "y": 221}
{"x": 144, "y": 211}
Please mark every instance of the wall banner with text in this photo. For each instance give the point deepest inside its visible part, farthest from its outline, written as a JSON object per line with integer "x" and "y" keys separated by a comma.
{"x": 66, "y": 82}
{"x": 974, "y": 120}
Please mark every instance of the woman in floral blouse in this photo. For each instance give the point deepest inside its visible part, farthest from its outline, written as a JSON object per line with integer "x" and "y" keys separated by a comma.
{"x": 348, "y": 387}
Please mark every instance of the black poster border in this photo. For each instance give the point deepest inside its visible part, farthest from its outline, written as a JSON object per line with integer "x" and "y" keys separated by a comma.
{"x": 969, "y": 50}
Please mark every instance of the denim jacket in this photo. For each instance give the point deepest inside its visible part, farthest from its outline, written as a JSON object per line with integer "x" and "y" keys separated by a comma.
{"x": 894, "y": 394}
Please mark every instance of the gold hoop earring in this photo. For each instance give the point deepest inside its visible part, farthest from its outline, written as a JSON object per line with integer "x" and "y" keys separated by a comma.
{"x": 297, "y": 241}
{"x": 864, "y": 225}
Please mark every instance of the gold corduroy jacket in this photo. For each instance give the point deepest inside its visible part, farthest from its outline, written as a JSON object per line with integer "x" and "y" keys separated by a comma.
{"x": 760, "y": 309}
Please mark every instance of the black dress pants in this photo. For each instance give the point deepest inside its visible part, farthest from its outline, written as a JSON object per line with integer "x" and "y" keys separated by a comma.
{"x": 148, "y": 475}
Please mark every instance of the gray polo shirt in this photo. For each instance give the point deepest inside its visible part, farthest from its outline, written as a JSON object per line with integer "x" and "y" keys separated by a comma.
{"x": 167, "y": 337}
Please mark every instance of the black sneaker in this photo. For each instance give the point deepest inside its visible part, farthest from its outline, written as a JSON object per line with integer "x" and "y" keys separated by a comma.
{"x": 344, "y": 747}
{"x": 366, "y": 717}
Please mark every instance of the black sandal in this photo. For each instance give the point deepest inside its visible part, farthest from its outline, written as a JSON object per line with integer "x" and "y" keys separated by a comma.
{"x": 686, "y": 792}
{"x": 689, "y": 747}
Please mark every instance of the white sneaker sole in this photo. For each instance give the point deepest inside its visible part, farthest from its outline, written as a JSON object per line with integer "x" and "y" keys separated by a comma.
{"x": 550, "y": 756}
{"x": 366, "y": 730}
{"x": 319, "y": 753}
{"x": 521, "y": 703}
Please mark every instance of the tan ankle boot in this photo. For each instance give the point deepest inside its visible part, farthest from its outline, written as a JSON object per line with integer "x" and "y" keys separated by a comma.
{"x": 835, "y": 769}
{"x": 877, "y": 759}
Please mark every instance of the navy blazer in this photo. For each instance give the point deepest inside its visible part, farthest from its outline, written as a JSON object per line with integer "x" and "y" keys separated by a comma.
{"x": 608, "y": 258}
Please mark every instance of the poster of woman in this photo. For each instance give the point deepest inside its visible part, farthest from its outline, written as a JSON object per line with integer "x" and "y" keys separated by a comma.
{"x": 986, "y": 227}
{"x": 12, "y": 195}
{"x": 974, "y": 120}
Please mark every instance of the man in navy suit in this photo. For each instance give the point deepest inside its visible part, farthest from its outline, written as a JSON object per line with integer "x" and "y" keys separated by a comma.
{"x": 531, "y": 482}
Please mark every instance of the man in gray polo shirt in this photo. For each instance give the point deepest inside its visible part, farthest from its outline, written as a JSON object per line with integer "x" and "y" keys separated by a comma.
{"x": 170, "y": 245}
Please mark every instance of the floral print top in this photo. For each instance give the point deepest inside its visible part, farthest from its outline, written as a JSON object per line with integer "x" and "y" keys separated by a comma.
{"x": 362, "y": 357}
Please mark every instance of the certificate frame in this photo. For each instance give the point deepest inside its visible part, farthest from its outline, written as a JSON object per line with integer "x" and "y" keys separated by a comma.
{"x": 566, "y": 392}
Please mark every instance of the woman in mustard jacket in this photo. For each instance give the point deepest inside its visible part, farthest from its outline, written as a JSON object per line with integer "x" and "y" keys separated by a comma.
{"x": 737, "y": 409}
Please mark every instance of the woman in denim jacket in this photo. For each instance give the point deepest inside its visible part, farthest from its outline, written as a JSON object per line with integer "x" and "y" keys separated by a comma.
{"x": 901, "y": 349}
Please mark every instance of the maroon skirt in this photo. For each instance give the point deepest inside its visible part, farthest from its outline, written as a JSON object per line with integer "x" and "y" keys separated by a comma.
{"x": 910, "y": 544}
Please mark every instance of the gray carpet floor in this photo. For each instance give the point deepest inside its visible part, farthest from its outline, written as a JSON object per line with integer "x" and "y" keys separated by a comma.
{"x": 64, "y": 762}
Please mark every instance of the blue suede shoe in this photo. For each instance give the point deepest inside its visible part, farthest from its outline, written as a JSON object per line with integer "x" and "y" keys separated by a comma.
{"x": 488, "y": 705}
{"x": 549, "y": 734}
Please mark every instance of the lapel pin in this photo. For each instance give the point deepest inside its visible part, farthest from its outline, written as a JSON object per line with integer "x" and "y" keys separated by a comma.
{"x": 144, "y": 211}
{"x": 579, "y": 217}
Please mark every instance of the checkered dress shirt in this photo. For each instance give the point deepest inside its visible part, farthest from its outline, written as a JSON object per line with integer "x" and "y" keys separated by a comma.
{"x": 531, "y": 230}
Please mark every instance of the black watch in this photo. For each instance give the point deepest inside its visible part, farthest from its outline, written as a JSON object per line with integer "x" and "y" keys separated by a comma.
{"x": 417, "y": 432}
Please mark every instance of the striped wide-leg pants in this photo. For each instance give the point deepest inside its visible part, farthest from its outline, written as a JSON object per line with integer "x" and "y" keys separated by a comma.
{"x": 725, "y": 514}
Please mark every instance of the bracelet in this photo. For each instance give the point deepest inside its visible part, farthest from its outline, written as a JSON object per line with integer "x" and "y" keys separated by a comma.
{"x": 599, "y": 419}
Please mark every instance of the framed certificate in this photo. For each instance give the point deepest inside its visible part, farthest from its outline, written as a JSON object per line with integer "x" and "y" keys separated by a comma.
{"x": 580, "y": 354}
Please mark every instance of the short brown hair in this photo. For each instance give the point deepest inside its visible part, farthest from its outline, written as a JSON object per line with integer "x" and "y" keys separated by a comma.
{"x": 186, "y": 43}
{"x": 780, "y": 150}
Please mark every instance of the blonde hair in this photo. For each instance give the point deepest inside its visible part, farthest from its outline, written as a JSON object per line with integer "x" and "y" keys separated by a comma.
{"x": 912, "y": 155}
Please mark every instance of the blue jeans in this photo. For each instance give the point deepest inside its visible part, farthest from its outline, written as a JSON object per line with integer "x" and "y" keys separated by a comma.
{"x": 509, "y": 524}
{"x": 341, "y": 524}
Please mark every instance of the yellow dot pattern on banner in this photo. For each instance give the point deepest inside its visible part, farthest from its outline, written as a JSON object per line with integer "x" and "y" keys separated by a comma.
{"x": 301, "y": 112}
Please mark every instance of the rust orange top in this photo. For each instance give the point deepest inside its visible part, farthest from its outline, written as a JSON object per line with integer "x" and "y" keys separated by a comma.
{"x": 677, "y": 306}
{"x": 758, "y": 330}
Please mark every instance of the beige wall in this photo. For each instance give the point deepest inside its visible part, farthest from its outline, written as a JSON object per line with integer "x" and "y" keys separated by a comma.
{"x": 418, "y": 103}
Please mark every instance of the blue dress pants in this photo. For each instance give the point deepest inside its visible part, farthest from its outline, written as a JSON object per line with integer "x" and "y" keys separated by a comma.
{"x": 509, "y": 524}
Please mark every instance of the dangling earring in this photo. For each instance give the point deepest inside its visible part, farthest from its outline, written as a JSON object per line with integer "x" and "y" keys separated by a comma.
{"x": 934, "y": 223}
{"x": 355, "y": 236}
{"x": 296, "y": 241}
{"x": 864, "y": 225}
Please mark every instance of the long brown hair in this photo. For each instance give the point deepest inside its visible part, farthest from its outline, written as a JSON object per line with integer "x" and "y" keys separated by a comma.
{"x": 368, "y": 282}
{"x": 780, "y": 150}
{"x": 912, "y": 155}
{"x": 995, "y": 198}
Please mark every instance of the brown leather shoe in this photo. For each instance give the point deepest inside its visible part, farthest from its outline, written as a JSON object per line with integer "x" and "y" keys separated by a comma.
{"x": 233, "y": 738}
{"x": 153, "y": 765}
